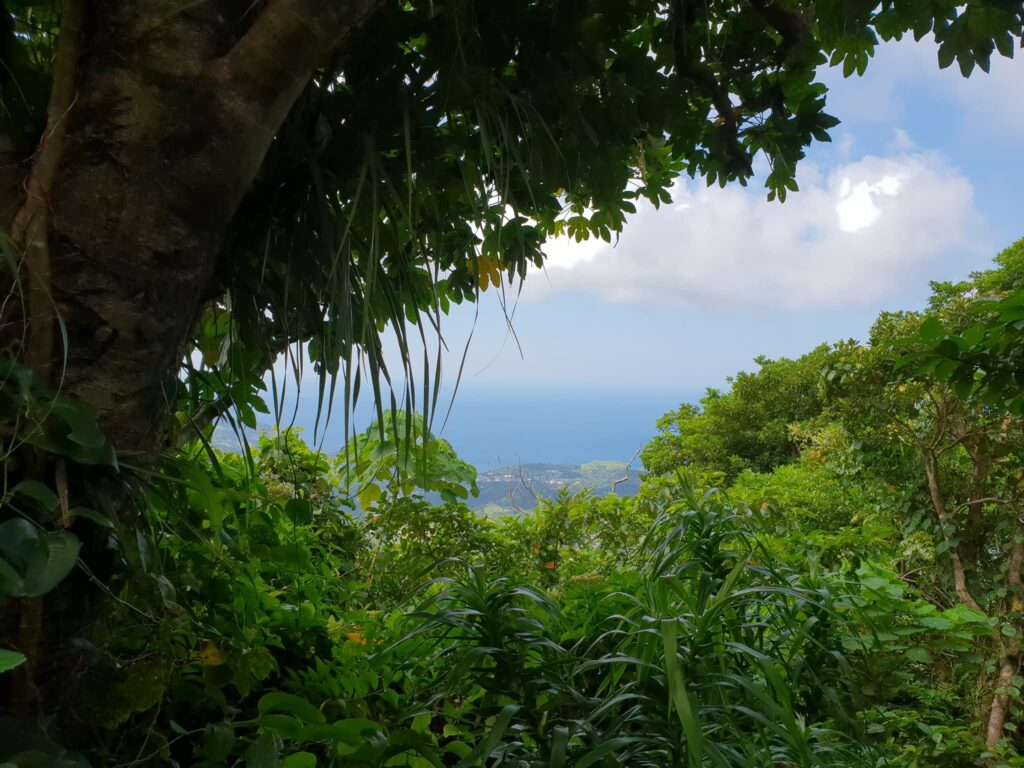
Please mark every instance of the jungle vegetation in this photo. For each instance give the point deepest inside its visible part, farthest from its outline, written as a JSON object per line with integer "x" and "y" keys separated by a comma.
{"x": 853, "y": 600}
{"x": 822, "y": 566}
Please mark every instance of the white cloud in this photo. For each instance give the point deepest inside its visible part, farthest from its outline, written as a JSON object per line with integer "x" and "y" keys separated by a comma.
{"x": 863, "y": 228}
{"x": 901, "y": 73}
{"x": 565, "y": 253}
{"x": 856, "y": 209}
{"x": 901, "y": 141}
{"x": 844, "y": 147}
{"x": 853, "y": 235}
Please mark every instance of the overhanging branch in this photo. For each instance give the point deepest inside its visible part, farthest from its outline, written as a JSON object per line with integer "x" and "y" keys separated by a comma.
{"x": 794, "y": 28}
{"x": 275, "y": 59}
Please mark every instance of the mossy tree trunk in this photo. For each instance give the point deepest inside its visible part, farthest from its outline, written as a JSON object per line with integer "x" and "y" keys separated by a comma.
{"x": 173, "y": 109}
{"x": 159, "y": 117}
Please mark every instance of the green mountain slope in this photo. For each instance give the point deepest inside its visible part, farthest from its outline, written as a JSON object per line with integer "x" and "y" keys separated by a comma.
{"x": 517, "y": 488}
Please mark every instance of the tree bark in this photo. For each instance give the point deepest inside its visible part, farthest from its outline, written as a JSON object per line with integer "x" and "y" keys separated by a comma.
{"x": 979, "y": 450}
{"x": 174, "y": 113}
{"x": 959, "y": 576}
{"x": 1010, "y": 663}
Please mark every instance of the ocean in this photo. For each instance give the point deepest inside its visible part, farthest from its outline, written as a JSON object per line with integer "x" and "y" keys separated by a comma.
{"x": 491, "y": 425}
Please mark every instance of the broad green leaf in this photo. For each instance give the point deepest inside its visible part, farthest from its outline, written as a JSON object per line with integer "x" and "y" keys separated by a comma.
{"x": 353, "y": 731}
{"x": 292, "y": 705}
{"x": 42, "y": 559}
{"x": 285, "y": 726}
{"x": 51, "y": 563}
{"x": 299, "y": 511}
{"x": 10, "y": 659}
{"x": 299, "y": 760}
{"x": 39, "y": 492}
{"x": 218, "y": 740}
{"x": 931, "y": 331}
{"x": 919, "y": 654}
{"x": 369, "y": 495}
{"x": 265, "y": 752}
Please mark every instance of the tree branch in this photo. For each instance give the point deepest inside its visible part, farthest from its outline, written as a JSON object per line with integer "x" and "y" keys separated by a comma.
{"x": 212, "y": 410}
{"x": 691, "y": 67}
{"x": 1001, "y": 702}
{"x": 527, "y": 486}
{"x": 625, "y": 472}
{"x": 267, "y": 69}
{"x": 959, "y": 576}
{"x": 793, "y": 28}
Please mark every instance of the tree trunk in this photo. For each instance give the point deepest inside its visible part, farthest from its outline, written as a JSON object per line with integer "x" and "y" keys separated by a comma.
{"x": 959, "y": 575}
{"x": 173, "y": 114}
{"x": 159, "y": 119}
{"x": 1001, "y": 701}
{"x": 979, "y": 450}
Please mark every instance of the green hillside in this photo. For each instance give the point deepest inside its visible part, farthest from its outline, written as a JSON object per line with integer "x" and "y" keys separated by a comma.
{"x": 517, "y": 488}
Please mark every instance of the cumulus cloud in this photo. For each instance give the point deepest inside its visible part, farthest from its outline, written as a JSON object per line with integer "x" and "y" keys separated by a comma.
{"x": 862, "y": 229}
{"x": 853, "y": 235}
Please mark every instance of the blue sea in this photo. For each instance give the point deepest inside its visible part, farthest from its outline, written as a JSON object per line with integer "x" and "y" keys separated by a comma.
{"x": 490, "y": 425}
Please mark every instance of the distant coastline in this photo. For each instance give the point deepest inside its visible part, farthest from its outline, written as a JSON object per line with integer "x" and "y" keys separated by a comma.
{"x": 518, "y": 488}
{"x": 493, "y": 425}
{"x": 515, "y": 488}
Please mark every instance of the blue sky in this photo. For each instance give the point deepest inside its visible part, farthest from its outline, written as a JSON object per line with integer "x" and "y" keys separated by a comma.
{"x": 691, "y": 294}
{"x": 922, "y": 181}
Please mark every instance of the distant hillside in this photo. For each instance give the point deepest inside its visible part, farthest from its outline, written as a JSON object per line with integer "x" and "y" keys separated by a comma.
{"x": 506, "y": 490}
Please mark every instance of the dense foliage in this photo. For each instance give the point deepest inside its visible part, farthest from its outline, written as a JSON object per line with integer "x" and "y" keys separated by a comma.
{"x": 822, "y": 566}
{"x": 848, "y": 595}
{"x": 906, "y": 450}
{"x": 409, "y": 156}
